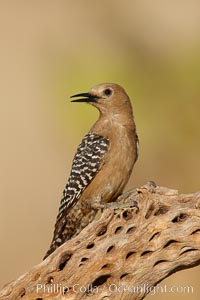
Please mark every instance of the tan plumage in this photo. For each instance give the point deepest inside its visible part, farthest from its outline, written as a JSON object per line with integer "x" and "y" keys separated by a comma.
{"x": 111, "y": 149}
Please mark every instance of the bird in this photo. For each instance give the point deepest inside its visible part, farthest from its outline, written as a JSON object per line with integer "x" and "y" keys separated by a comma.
{"x": 102, "y": 164}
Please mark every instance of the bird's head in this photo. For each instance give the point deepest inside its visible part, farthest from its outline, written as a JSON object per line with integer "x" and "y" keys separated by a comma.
{"x": 107, "y": 97}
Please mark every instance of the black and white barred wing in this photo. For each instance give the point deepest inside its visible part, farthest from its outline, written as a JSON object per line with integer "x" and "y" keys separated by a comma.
{"x": 86, "y": 164}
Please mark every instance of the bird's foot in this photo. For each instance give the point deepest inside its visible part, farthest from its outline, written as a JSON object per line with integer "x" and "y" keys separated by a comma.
{"x": 116, "y": 205}
{"x": 150, "y": 186}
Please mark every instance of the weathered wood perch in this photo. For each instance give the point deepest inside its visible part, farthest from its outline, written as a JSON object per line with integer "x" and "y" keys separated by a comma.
{"x": 123, "y": 253}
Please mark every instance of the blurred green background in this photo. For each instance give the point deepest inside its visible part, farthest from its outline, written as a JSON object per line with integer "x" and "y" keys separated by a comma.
{"x": 53, "y": 49}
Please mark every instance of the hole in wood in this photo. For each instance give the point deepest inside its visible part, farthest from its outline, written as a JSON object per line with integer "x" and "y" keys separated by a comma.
{"x": 188, "y": 250}
{"x": 131, "y": 229}
{"x": 129, "y": 254}
{"x": 161, "y": 211}
{"x": 100, "y": 280}
{"x": 65, "y": 291}
{"x": 134, "y": 206}
{"x": 64, "y": 259}
{"x": 159, "y": 262}
{"x": 111, "y": 248}
{"x": 154, "y": 236}
{"x": 22, "y": 293}
{"x": 118, "y": 229}
{"x": 50, "y": 279}
{"x": 104, "y": 266}
{"x": 180, "y": 218}
{"x": 84, "y": 258}
{"x": 149, "y": 211}
{"x": 196, "y": 231}
{"x": 102, "y": 230}
{"x": 169, "y": 243}
{"x": 90, "y": 245}
{"x": 123, "y": 275}
{"x": 147, "y": 252}
{"x": 39, "y": 299}
{"x": 127, "y": 215}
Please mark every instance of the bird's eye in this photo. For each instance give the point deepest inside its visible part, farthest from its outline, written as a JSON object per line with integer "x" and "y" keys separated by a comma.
{"x": 107, "y": 92}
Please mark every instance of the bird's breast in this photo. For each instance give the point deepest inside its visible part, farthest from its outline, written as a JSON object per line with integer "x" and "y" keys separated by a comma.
{"x": 116, "y": 167}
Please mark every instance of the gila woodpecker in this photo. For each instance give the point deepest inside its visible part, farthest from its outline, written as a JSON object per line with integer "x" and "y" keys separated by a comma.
{"x": 102, "y": 164}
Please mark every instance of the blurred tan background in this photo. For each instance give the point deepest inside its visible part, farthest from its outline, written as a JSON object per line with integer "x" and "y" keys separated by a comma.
{"x": 53, "y": 49}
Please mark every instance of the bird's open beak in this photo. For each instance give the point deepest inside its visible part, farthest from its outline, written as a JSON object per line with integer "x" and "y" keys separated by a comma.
{"x": 87, "y": 97}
